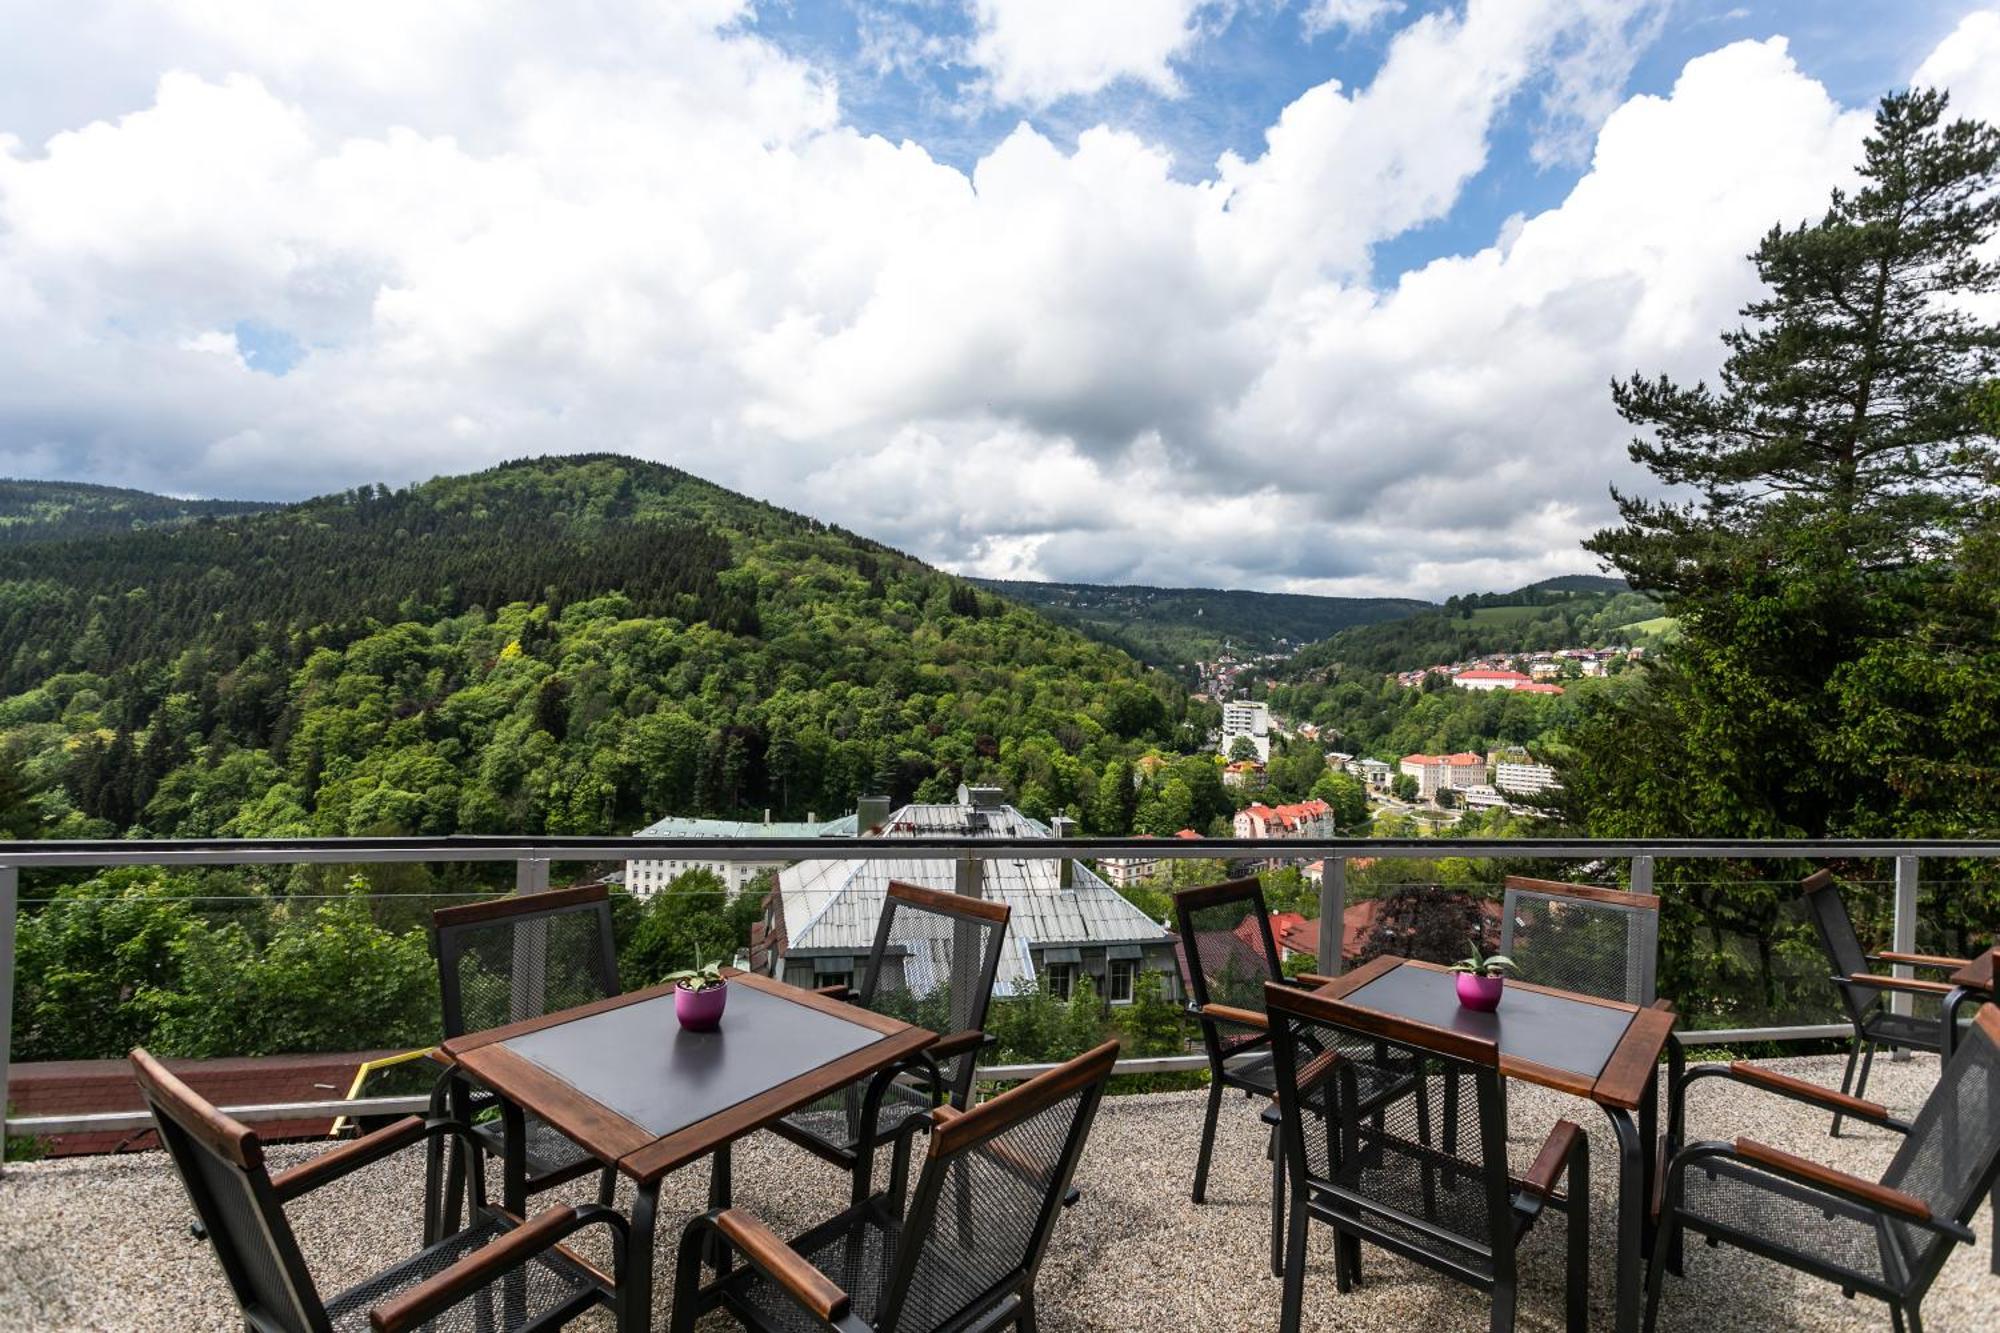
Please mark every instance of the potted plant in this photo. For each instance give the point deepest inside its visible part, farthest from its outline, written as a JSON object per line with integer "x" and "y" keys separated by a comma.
{"x": 700, "y": 992}
{"x": 1481, "y": 979}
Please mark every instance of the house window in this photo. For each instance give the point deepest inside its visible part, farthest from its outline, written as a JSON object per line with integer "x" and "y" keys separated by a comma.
{"x": 1060, "y": 978}
{"x": 1122, "y": 977}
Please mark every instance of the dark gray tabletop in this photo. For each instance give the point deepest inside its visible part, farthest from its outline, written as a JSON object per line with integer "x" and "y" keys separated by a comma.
{"x": 1572, "y": 1035}
{"x": 636, "y": 1060}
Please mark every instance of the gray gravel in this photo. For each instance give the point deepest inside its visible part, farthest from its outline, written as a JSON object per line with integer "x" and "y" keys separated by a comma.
{"x": 102, "y": 1244}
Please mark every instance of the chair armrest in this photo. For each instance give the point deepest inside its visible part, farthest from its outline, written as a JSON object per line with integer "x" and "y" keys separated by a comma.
{"x": 762, "y": 1248}
{"x": 1317, "y": 1069}
{"x": 1562, "y": 1144}
{"x": 348, "y": 1158}
{"x": 1800, "y": 1090}
{"x": 837, "y": 991}
{"x": 433, "y": 1296}
{"x": 1910, "y": 984}
{"x": 1920, "y": 960}
{"x": 1877, "y": 1196}
{"x": 956, "y": 1044}
{"x": 1229, "y": 1013}
{"x": 1308, "y": 981}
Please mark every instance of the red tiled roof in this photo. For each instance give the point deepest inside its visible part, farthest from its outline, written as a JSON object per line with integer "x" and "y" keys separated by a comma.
{"x": 1188, "y": 833}
{"x": 1482, "y": 673}
{"x": 1538, "y": 687}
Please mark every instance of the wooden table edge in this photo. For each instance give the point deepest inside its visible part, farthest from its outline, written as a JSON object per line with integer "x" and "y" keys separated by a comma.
{"x": 1979, "y": 973}
{"x": 599, "y": 1130}
{"x": 472, "y": 1041}
{"x": 1634, "y": 1060}
{"x": 826, "y": 1004}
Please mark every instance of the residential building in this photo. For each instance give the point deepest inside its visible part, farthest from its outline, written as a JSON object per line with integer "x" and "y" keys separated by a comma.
{"x": 648, "y": 875}
{"x": 1124, "y": 871}
{"x": 1524, "y": 778}
{"x": 1483, "y": 797}
{"x": 1437, "y": 772}
{"x": 1067, "y": 923}
{"x": 1306, "y": 819}
{"x": 1247, "y": 718}
{"x": 1374, "y": 773}
{"x": 1483, "y": 679}
{"x": 1245, "y": 773}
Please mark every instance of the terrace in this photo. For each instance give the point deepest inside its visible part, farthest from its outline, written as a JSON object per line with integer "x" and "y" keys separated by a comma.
{"x": 102, "y": 1242}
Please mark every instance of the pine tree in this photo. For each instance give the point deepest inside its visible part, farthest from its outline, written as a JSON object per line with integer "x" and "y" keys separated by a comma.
{"x": 1839, "y": 469}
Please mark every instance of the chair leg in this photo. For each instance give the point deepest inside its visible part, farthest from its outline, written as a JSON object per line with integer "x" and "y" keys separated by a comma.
{"x": 1503, "y": 1308}
{"x": 1293, "y": 1299}
{"x": 1896, "y": 1317}
{"x": 607, "y": 1186}
{"x": 1916, "y": 1320}
{"x": 1576, "y": 1296}
{"x": 1277, "y": 1206}
{"x": 1847, "y": 1079}
{"x": 1867, "y": 1062}
{"x": 1669, "y": 1238}
{"x": 1024, "y": 1315}
{"x": 1207, "y": 1140}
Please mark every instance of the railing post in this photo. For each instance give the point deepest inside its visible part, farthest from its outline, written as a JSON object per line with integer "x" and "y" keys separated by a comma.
{"x": 531, "y": 944}
{"x": 1903, "y": 935}
{"x": 1641, "y": 954}
{"x": 1332, "y": 913}
{"x": 10, "y": 901}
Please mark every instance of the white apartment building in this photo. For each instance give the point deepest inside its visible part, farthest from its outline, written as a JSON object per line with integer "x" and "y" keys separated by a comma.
{"x": 646, "y": 876}
{"x": 1524, "y": 779}
{"x": 1437, "y": 772}
{"x": 1246, "y": 717}
{"x": 1374, "y": 774}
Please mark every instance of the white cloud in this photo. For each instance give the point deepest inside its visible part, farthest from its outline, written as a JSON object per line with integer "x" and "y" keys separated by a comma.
{"x": 506, "y": 233}
{"x": 1355, "y": 15}
{"x": 1038, "y": 51}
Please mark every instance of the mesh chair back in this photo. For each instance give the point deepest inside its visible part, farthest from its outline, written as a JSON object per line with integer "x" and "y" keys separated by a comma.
{"x": 1384, "y": 1169}
{"x": 933, "y": 964}
{"x": 1578, "y": 937}
{"x": 990, "y": 1192}
{"x": 1951, "y": 1156}
{"x": 222, "y": 1165}
{"x": 1836, "y": 935}
{"x": 1226, "y": 943}
{"x": 524, "y": 956}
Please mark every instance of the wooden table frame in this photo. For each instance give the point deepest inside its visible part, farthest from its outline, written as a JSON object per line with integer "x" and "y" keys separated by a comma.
{"x": 1626, "y": 1089}
{"x": 635, "y": 1152}
{"x": 1973, "y": 982}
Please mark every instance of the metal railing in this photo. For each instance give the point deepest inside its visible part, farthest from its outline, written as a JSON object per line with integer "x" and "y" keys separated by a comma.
{"x": 533, "y": 856}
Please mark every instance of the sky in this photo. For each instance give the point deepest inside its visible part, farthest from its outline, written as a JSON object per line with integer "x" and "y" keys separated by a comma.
{"x": 1296, "y": 295}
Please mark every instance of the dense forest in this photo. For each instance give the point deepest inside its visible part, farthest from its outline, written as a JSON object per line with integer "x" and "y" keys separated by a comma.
{"x": 35, "y": 511}
{"x": 1174, "y": 627}
{"x": 562, "y": 645}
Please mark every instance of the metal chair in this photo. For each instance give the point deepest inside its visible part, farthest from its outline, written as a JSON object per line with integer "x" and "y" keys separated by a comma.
{"x": 1376, "y": 1175}
{"x": 1862, "y": 991}
{"x": 500, "y": 962}
{"x": 875, "y": 1268}
{"x": 495, "y": 1276}
{"x": 932, "y": 964}
{"x": 1887, "y": 1238}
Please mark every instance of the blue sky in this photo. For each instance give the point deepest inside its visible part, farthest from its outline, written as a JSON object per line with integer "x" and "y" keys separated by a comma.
{"x": 1256, "y": 56}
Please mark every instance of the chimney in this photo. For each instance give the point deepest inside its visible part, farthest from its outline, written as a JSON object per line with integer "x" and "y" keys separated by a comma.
{"x": 1062, "y": 826}
{"x": 870, "y": 814}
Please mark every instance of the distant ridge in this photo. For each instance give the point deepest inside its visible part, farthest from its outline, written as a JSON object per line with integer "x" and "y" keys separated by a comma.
{"x": 39, "y": 511}
{"x": 1178, "y": 626}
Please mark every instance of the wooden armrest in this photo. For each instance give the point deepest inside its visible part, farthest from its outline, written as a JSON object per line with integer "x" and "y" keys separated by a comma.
{"x": 1317, "y": 1069}
{"x": 351, "y": 1156}
{"x": 435, "y": 1295}
{"x": 1922, "y": 960}
{"x": 837, "y": 991}
{"x": 956, "y": 1044}
{"x": 1229, "y": 1013}
{"x": 1550, "y": 1161}
{"x": 1833, "y": 1100}
{"x": 1836, "y": 1182}
{"x": 1909, "y": 984}
{"x": 944, "y": 1115}
{"x": 782, "y": 1264}
{"x": 1310, "y": 980}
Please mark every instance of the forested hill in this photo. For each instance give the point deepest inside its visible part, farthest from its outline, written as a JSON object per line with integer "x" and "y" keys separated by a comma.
{"x": 1176, "y": 626}
{"x": 1575, "y": 611}
{"x": 34, "y": 511}
{"x": 564, "y": 645}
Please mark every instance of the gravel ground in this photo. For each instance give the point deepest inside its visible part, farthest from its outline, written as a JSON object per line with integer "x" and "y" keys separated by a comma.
{"x": 102, "y": 1243}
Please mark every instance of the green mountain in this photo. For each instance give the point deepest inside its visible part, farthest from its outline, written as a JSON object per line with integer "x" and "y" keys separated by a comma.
{"x": 1579, "y": 610}
{"x": 565, "y": 645}
{"x": 34, "y": 511}
{"x": 1178, "y": 626}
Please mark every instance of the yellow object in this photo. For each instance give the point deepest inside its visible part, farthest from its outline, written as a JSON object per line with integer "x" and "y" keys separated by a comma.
{"x": 361, "y": 1077}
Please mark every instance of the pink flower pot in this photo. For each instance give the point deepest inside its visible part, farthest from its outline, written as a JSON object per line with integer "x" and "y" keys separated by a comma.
{"x": 700, "y": 1010}
{"x": 1481, "y": 993}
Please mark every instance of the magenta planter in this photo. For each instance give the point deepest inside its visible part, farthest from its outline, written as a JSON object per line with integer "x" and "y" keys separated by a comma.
{"x": 700, "y": 1010}
{"x": 1481, "y": 993}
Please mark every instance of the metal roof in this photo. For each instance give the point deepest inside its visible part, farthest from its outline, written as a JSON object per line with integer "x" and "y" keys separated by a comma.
{"x": 831, "y": 907}
{"x": 676, "y": 826}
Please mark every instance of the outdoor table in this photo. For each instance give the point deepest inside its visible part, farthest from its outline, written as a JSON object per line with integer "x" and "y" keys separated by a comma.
{"x": 1972, "y": 982}
{"x": 623, "y": 1080}
{"x": 1604, "y": 1051}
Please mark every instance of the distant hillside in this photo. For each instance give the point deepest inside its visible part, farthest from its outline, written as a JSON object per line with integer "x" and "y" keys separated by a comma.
{"x": 559, "y": 645}
{"x": 1176, "y": 626}
{"x": 1579, "y": 610}
{"x": 35, "y": 511}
